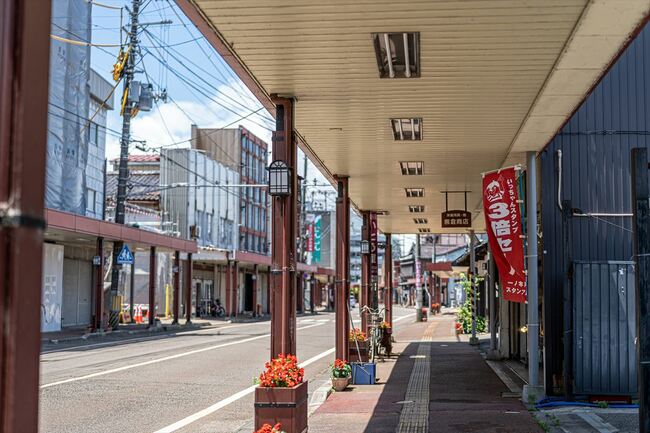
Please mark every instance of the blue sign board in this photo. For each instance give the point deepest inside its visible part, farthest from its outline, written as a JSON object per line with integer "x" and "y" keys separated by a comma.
{"x": 125, "y": 257}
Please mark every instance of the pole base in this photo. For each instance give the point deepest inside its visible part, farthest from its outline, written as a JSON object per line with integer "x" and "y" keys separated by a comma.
{"x": 532, "y": 394}
{"x": 473, "y": 341}
{"x": 188, "y": 322}
{"x": 493, "y": 355}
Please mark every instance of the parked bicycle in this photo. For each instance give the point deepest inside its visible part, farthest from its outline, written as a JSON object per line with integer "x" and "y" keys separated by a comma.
{"x": 375, "y": 318}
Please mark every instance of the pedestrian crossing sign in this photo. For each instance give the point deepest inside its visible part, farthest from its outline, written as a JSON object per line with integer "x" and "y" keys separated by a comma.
{"x": 125, "y": 257}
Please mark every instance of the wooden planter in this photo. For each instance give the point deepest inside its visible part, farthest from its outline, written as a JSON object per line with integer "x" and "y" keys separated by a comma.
{"x": 353, "y": 355}
{"x": 287, "y": 406}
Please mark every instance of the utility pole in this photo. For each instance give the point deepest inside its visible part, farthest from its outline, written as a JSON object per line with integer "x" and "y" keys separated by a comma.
{"x": 123, "y": 173}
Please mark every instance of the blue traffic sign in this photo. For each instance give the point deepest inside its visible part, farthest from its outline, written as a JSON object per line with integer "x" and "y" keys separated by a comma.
{"x": 125, "y": 257}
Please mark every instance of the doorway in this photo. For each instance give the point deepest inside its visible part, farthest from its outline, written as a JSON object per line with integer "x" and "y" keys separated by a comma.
{"x": 248, "y": 292}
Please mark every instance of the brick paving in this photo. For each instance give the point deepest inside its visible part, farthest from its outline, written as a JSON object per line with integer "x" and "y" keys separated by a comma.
{"x": 464, "y": 395}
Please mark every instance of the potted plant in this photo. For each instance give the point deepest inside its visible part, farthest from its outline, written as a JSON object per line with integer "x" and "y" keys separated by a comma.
{"x": 386, "y": 339}
{"x": 341, "y": 374}
{"x": 281, "y": 397}
{"x": 268, "y": 428}
{"x": 358, "y": 348}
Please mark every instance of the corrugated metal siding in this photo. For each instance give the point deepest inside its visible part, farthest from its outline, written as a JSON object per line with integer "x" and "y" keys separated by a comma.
{"x": 596, "y": 145}
{"x": 604, "y": 354}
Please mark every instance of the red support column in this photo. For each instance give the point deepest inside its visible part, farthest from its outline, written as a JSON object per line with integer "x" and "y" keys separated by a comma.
{"x": 153, "y": 268}
{"x": 300, "y": 292}
{"x": 98, "y": 307}
{"x": 388, "y": 279}
{"x": 255, "y": 277}
{"x": 24, "y": 61}
{"x": 364, "y": 290}
{"x": 268, "y": 292}
{"x": 188, "y": 290}
{"x": 177, "y": 285}
{"x": 234, "y": 295}
{"x": 228, "y": 302}
{"x": 283, "y": 246}
{"x": 342, "y": 290}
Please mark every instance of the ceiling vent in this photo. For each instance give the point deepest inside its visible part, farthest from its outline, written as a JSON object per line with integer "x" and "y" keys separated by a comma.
{"x": 407, "y": 129}
{"x": 424, "y": 230}
{"x": 398, "y": 54}
{"x": 416, "y": 208}
{"x": 420, "y": 220}
{"x": 414, "y": 192}
{"x": 412, "y": 168}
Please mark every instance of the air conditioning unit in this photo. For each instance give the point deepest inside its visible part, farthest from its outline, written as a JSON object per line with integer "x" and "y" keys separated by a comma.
{"x": 195, "y": 232}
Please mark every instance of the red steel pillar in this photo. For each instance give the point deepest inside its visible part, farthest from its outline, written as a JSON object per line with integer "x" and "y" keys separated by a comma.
{"x": 177, "y": 285}
{"x": 234, "y": 294}
{"x": 228, "y": 302}
{"x": 283, "y": 248}
{"x": 268, "y": 292}
{"x": 153, "y": 272}
{"x": 24, "y": 62}
{"x": 388, "y": 279}
{"x": 342, "y": 289}
{"x": 99, "y": 287}
{"x": 364, "y": 290}
{"x": 188, "y": 290}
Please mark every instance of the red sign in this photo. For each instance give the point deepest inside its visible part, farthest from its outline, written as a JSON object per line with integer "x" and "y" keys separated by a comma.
{"x": 503, "y": 224}
{"x": 374, "y": 265}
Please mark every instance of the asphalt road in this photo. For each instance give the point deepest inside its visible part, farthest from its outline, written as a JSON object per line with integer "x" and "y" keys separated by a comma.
{"x": 195, "y": 381}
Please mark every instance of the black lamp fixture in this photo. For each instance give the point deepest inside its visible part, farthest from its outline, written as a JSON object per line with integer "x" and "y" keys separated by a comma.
{"x": 365, "y": 247}
{"x": 279, "y": 178}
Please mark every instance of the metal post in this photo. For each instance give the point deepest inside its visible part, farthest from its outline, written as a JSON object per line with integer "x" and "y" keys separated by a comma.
{"x": 532, "y": 391}
{"x": 153, "y": 274}
{"x": 24, "y": 62}
{"x": 567, "y": 364}
{"x": 342, "y": 282}
{"x": 365, "y": 271}
{"x": 227, "y": 302}
{"x": 312, "y": 291}
{"x": 471, "y": 275}
{"x": 284, "y": 261}
{"x": 177, "y": 285}
{"x": 188, "y": 290}
{"x": 388, "y": 279}
{"x": 493, "y": 353}
{"x": 123, "y": 171}
{"x": 131, "y": 289}
{"x": 641, "y": 227}
{"x": 235, "y": 289}
{"x": 255, "y": 277}
{"x": 418, "y": 280}
{"x": 99, "y": 287}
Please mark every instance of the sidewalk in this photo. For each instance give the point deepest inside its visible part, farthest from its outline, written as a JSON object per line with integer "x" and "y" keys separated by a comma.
{"x": 437, "y": 383}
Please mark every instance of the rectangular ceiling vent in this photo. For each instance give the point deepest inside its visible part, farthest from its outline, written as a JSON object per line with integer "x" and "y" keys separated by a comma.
{"x": 424, "y": 230}
{"x": 407, "y": 129}
{"x": 414, "y": 192}
{"x": 398, "y": 54}
{"x": 416, "y": 208}
{"x": 420, "y": 220}
{"x": 412, "y": 168}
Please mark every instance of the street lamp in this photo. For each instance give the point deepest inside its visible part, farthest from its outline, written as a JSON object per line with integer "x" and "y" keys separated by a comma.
{"x": 279, "y": 178}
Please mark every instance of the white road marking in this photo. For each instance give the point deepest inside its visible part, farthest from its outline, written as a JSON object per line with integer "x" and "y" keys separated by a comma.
{"x": 226, "y": 401}
{"x": 166, "y": 358}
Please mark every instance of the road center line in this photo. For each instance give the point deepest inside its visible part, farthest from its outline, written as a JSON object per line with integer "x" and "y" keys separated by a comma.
{"x": 165, "y": 358}
{"x": 226, "y": 401}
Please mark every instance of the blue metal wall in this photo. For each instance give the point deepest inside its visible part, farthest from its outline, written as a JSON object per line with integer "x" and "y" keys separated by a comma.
{"x": 596, "y": 145}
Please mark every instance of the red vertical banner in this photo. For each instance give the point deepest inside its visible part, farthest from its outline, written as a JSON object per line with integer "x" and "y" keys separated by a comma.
{"x": 310, "y": 238}
{"x": 503, "y": 225}
{"x": 374, "y": 248}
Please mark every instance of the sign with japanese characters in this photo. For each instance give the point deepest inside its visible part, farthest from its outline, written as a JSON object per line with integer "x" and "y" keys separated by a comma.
{"x": 374, "y": 265}
{"x": 503, "y": 224}
{"x": 456, "y": 218}
{"x": 310, "y": 238}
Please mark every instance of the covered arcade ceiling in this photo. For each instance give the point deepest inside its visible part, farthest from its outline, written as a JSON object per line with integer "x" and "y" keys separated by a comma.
{"x": 489, "y": 80}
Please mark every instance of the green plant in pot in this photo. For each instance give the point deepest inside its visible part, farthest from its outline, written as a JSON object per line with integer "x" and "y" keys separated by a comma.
{"x": 341, "y": 374}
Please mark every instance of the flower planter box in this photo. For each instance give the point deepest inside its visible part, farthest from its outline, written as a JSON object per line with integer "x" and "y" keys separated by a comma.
{"x": 287, "y": 406}
{"x": 353, "y": 355}
{"x": 363, "y": 373}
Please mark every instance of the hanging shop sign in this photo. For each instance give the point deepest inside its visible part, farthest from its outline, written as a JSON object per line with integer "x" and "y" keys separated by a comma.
{"x": 374, "y": 266}
{"x": 310, "y": 238}
{"x": 504, "y": 228}
{"x": 317, "y": 240}
{"x": 456, "y": 218}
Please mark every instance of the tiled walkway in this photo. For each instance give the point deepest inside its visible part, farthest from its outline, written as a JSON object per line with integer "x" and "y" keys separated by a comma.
{"x": 462, "y": 392}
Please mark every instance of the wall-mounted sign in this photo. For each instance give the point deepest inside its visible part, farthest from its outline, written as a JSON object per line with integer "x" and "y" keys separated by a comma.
{"x": 456, "y": 219}
{"x": 374, "y": 263}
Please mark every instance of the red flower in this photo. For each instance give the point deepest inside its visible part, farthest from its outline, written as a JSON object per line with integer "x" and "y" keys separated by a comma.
{"x": 458, "y": 326}
{"x": 266, "y": 428}
{"x": 357, "y": 334}
{"x": 282, "y": 372}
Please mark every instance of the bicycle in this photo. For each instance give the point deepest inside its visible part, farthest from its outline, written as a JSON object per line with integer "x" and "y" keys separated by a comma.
{"x": 374, "y": 331}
